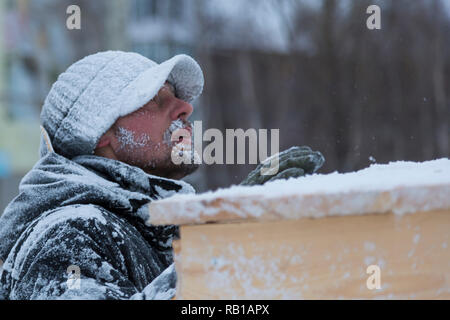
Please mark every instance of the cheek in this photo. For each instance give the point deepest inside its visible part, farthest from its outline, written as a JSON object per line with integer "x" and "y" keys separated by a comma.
{"x": 145, "y": 125}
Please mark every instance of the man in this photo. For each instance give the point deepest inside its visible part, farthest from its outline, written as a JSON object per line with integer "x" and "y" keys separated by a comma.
{"x": 77, "y": 229}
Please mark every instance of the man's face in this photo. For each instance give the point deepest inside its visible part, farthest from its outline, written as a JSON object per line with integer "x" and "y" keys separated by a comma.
{"x": 143, "y": 138}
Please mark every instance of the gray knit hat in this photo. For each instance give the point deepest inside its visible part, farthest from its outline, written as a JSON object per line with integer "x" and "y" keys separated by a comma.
{"x": 94, "y": 92}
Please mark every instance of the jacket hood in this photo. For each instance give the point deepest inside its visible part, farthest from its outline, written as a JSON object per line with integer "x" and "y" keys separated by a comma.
{"x": 56, "y": 181}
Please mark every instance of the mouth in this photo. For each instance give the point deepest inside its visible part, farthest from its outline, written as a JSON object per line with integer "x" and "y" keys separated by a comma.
{"x": 184, "y": 138}
{"x": 180, "y": 139}
{"x": 178, "y": 132}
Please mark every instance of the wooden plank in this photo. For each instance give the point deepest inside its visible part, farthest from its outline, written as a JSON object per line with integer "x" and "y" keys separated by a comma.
{"x": 399, "y": 187}
{"x": 241, "y": 208}
{"x": 317, "y": 258}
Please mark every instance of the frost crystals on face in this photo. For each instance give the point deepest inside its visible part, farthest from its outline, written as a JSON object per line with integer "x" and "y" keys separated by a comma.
{"x": 175, "y": 125}
{"x": 128, "y": 140}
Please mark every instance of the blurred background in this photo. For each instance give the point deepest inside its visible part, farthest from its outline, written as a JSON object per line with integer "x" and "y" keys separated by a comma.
{"x": 309, "y": 68}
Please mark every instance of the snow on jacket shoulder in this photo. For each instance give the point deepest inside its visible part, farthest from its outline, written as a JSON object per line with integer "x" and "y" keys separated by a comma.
{"x": 87, "y": 216}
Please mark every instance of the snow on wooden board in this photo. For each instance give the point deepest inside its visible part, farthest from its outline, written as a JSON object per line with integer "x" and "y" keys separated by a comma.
{"x": 398, "y": 187}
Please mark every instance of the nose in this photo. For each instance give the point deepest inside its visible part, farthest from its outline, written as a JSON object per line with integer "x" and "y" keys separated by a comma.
{"x": 181, "y": 109}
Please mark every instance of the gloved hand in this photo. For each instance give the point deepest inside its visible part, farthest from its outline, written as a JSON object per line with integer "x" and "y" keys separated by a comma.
{"x": 163, "y": 287}
{"x": 294, "y": 162}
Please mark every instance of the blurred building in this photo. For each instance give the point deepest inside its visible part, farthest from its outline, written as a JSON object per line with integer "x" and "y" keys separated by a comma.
{"x": 19, "y": 86}
{"x": 159, "y": 29}
{"x": 35, "y": 47}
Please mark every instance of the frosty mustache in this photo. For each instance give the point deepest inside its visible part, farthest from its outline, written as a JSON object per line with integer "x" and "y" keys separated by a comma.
{"x": 170, "y": 132}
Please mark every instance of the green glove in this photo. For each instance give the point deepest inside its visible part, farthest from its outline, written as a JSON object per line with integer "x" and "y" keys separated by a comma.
{"x": 294, "y": 162}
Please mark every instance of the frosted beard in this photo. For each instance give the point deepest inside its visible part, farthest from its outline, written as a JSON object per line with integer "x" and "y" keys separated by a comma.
{"x": 128, "y": 140}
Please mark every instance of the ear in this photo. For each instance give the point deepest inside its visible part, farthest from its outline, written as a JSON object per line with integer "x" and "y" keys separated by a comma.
{"x": 104, "y": 141}
{"x": 104, "y": 146}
